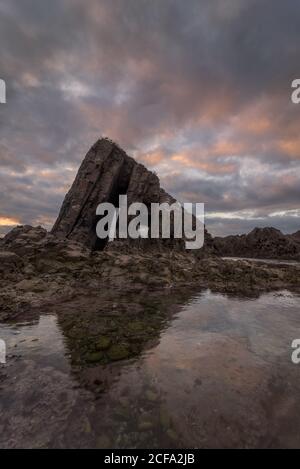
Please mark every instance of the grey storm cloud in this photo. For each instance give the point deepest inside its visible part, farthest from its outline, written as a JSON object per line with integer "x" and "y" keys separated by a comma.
{"x": 198, "y": 91}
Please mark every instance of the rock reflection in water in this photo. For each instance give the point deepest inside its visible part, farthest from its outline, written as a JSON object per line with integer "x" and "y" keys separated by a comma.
{"x": 156, "y": 370}
{"x": 112, "y": 328}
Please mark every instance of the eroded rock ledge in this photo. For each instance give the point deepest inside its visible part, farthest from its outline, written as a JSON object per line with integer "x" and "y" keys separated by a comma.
{"x": 38, "y": 268}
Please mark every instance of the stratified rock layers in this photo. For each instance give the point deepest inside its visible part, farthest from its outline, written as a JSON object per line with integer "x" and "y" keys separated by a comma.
{"x": 105, "y": 173}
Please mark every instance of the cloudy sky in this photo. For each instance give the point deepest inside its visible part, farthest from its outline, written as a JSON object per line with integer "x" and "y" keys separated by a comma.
{"x": 197, "y": 90}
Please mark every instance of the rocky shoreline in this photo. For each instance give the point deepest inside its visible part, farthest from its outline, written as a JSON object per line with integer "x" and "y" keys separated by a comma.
{"x": 38, "y": 269}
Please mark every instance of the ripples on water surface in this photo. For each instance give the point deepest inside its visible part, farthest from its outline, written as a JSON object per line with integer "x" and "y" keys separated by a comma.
{"x": 206, "y": 371}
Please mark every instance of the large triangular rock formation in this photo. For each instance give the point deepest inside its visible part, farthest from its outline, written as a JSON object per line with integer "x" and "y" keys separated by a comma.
{"x": 105, "y": 173}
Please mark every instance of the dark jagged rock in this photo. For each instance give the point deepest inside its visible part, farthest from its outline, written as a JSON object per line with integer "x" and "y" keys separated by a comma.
{"x": 106, "y": 173}
{"x": 36, "y": 244}
{"x": 23, "y": 235}
{"x": 268, "y": 243}
{"x": 295, "y": 236}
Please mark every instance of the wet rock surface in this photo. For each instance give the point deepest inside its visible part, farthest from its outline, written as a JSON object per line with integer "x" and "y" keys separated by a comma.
{"x": 38, "y": 268}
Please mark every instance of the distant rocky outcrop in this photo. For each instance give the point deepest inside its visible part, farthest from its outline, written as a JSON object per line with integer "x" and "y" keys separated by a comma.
{"x": 295, "y": 236}
{"x": 268, "y": 243}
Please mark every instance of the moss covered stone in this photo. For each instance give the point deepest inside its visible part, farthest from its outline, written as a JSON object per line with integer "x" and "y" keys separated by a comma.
{"x": 103, "y": 343}
{"x": 118, "y": 352}
{"x": 94, "y": 357}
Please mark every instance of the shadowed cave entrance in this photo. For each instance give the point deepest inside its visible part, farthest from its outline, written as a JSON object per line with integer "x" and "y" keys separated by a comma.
{"x": 120, "y": 187}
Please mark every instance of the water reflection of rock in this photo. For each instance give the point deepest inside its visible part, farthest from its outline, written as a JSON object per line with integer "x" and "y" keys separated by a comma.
{"x": 207, "y": 366}
{"x": 104, "y": 332}
{"x": 94, "y": 406}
